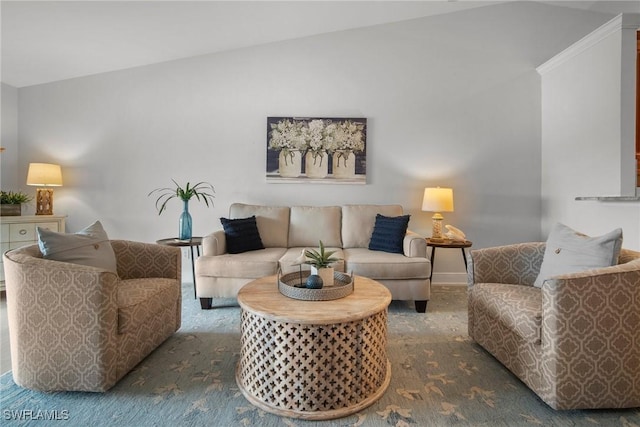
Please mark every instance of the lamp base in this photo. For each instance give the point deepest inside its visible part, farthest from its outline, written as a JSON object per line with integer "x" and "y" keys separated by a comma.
{"x": 44, "y": 201}
{"x": 436, "y": 230}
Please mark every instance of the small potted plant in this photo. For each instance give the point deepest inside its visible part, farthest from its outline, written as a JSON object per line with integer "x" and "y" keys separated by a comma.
{"x": 320, "y": 261}
{"x": 11, "y": 202}
{"x": 201, "y": 191}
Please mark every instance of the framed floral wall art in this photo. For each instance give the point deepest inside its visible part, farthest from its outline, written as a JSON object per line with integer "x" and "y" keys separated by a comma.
{"x": 317, "y": 150}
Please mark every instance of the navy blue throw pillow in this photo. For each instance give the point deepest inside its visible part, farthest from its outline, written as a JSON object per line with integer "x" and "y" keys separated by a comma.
{"x": 242, "y": 235}
{"x": 388, "y": 233}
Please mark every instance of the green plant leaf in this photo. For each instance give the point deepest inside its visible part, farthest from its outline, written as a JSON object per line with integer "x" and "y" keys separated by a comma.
{"x": 14, "y": 197}
{"x": 202, "y": 191}
{"x": 320, "y": 258}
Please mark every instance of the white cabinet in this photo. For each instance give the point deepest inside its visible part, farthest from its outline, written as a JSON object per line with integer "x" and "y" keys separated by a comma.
{"x": 16, "y": 231}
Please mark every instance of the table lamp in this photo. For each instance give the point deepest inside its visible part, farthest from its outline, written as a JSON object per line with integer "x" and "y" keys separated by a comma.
{"x": 44, "y": 175}
{"x": 437, "y": 200}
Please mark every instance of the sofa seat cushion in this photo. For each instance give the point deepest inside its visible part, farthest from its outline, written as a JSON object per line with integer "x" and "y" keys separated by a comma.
{"x": 250, "y": 265}
{"x": 518, "y": 307}
{"x": 140, "y": 299}
{"x": 293, "y": 254}
{"x": 384, "y": 265}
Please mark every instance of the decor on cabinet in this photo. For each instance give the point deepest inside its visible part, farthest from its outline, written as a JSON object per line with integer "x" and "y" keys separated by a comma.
{"x": 11, "y": 202}
{"x": 437, "y": 200}
{"x": 201, "y": 191}
{"x": 333, "y": 150}
{"x": 44, "y": 175}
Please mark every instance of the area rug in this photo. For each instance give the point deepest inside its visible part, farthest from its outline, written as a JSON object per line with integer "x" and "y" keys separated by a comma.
{"x": 439, "y": 378}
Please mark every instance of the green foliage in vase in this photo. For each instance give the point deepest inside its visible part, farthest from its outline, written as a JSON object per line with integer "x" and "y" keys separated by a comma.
{"x": 202, "y": 191}
{"x": 14, "y": 198}
{"x": 320, "y": 258}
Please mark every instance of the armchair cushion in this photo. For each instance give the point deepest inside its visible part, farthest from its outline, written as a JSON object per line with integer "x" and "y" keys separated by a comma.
{"x": 388, "y": 233}
{"x": 89, "y": 246}
{"x": 516, "y": 307}
{"x": 241, "y": 234}
{"x": 568, "y": 251}
{"x": 139, "y": 300}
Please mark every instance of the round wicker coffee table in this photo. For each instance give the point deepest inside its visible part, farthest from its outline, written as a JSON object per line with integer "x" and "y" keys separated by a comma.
{"x": 313, "y": 360}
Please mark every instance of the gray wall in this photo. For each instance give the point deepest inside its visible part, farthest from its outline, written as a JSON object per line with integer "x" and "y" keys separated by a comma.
{"x": 9, "y": 180}
{"x": 588, "y": 133}
{"x": 451, "y": 100}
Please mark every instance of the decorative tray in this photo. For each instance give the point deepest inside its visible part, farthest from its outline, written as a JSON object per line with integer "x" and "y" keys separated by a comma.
{"x": 292, "y": 285}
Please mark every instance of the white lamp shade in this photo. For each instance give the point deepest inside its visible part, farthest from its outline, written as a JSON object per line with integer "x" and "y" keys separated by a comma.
{"x": 44, "y": 175}
{"x": 437, "y": 200}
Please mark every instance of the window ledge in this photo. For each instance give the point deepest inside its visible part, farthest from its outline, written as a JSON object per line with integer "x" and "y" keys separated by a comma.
{"x": 611, "y": 198}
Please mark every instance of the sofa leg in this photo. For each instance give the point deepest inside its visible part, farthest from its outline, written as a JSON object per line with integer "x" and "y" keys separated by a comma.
{"x": 421, "y": 306}
{"x": 205, "y": 303}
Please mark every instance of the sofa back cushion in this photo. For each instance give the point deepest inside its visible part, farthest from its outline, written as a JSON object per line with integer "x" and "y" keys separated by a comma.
{"x": 358, "y": 222}
{"x": 310, "y": 224}
{"x": 272, "y": 222}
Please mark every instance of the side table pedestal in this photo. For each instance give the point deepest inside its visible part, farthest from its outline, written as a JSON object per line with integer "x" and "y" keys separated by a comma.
{"x": 451, "y": 244}
{"x": 194, "y": 242}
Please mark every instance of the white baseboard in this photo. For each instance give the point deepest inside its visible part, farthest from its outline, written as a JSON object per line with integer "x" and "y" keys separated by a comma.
{"x": 449, "y": 279}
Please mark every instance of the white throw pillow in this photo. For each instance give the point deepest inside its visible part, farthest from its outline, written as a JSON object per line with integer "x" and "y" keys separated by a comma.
{"x": 569, "y": 251}
{"x": 89, "y": 246}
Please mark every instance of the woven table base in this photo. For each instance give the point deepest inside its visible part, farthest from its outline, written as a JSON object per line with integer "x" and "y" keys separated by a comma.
{"x": 313, "y": 372}
{"x": 313, "y": 360}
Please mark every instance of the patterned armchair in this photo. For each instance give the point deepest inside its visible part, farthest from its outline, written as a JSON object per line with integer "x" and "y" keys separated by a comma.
{"x": 80, "y": 328}
{"x": 576, "y": 341}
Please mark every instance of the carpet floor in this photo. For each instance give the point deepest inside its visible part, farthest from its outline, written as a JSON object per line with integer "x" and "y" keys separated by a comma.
{"x": 439, "y": 378}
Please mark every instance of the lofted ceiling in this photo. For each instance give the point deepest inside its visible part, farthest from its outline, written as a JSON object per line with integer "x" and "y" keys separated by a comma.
{"x": 46, "y": 41}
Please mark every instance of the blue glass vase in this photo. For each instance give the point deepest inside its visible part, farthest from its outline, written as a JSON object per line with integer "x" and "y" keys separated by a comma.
{"x": 185, "y": 223}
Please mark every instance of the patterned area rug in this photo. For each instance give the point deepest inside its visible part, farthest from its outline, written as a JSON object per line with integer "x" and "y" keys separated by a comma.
{"x": 439, "y": 378}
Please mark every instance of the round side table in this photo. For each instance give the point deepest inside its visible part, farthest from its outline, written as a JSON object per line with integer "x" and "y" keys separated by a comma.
{"x": 194, "y": 242}
{"x": 450, "y": 244}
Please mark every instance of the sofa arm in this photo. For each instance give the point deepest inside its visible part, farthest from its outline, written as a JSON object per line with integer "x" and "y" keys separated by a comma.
{"x": 136, "y": 260}
{"x": 414, "y": 245}
{"x": 214, "y": 244}
{"x": 591, "y": 324}
{"x": 517, "y": 264}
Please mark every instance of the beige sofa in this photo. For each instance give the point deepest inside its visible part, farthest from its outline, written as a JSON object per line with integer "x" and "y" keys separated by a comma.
{"x": 286, "y": 231}
{"x": 576, "y": 341}
{"x": 79, "y": 328}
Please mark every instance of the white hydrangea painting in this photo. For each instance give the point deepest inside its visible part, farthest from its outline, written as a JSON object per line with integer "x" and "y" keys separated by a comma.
{"x": 318, "y": 150}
